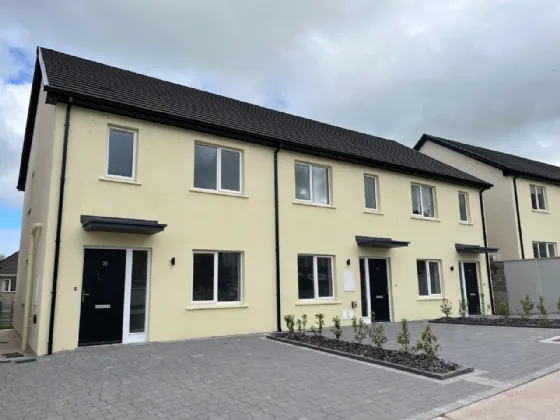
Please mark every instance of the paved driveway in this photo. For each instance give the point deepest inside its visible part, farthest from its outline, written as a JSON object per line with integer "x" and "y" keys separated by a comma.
{"x": 253, "y": 378}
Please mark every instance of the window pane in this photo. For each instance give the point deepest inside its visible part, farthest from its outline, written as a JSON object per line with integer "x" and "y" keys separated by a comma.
{"x": 230, "y": 170}
{"x": 534, "y": 198}
{"x": 463, "y": 207}
{"x": 551, "y": 251}
{"x": 138, "y": 291}
{"x": 121, "y": 151}
{"x": 305, "y": 277}
{"x": 428, "y": 202}
{"x": 422, "y": 278}
{"x": 369, "y": 186}
{"x": 203, "y": 277}
{"x": 13, "y": 283}
{"x": 535, "y": 250}
{"x": 302, "y": 182}
{"x": 363, "y": 287}
{"x": 205, "y": 167}
{"x": 540, "y": 198}
{"x": 325, "y": 277}
{"x": 435, "y": 283}
{"x": 320, "y": 185}
{"x": 416, "y": 204}
{"x": 229, "y": 276}
{"x": 5, "y": 285}
{"x": 542, "y": 249}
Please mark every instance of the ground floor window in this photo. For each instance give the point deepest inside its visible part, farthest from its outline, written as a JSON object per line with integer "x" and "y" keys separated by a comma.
{"x": 216, "y": 277}
{"x": 8, "y": 285}
{"x": 544, "y": 249}
{"x": 429, "y": 278}
{"x": 315, "y": 277}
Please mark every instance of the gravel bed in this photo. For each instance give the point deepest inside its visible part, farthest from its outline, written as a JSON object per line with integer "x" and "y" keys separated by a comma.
{"x": 501, "y": 322}
{"x": 414, "y": 361}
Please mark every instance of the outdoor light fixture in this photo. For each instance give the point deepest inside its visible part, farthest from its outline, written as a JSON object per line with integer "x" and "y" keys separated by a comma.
{"x": 173, "y": 261}
{"x": 348, "y": 262}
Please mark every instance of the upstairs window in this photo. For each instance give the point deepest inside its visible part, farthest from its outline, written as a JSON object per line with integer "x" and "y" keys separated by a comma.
{"x": 8, "y": 285}
{"x": 423, "y": 201}
{"x": 464, "y": 207}
{"x": 216, "y": 168}
{"x": 538, "y": 198}
{"x": 370, "y": 191}
{"x": 544, "y": 249}
{"x": 121, "y": 154}
{"x": 312, "y": 183}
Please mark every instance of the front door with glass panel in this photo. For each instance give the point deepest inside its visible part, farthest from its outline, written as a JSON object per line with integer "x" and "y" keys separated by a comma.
{"x": 469, "y": 283}
{"x": 375, "y": 289}
{"x": 115, "y": 290}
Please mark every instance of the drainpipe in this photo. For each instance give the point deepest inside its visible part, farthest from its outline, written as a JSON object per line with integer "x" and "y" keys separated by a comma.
{"x": 277, "y": 241}
{"x": 59, "y": 224}
{"x": 485, "y": 239}
{"x": 29, "y": 282}
{"x": 518, "y": 217}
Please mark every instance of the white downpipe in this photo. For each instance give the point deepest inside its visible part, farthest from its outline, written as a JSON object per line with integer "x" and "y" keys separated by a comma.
{"x": 29, "y": 283}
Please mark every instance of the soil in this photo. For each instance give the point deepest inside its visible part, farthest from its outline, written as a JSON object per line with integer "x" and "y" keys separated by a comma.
{"x": 417, "y": 361}
{"x": 505, "y": 322}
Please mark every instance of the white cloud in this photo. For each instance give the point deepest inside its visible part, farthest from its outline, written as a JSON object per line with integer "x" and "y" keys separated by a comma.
{"x": 9, "y": 241}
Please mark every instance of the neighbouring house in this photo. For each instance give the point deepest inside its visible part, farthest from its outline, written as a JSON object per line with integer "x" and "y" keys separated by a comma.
{"x": 8, "y": 277}
{"x": 522, "y": 209}
{"x": 160, "y": 212}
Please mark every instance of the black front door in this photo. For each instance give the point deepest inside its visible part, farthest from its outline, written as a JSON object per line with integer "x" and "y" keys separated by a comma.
{"x": 379, "y": 289}
{"x": 470, "y": 273}
{"x": 101, "y": 319}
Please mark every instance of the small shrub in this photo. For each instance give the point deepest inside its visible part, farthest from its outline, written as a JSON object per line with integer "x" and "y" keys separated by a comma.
{"x": 320, "y": 321}
{"x": 360, "y": 329}
{"x": 403, "y": 338}
{"x": 542, "y": 310}
{"x": 446, "y": 307}
{"x": 303, "y": 322}
{"x": 463, "y": 306}
{"x": 482, "y": 305}
{"x": 355, "y": 325}
{"x": 289, "y": 322}
{"x": 528, "y": 305}
{"x": 313, "y": 331}
{"x": 504, "y": 309}
{"x": 336, "y": 330}
{"x": 428, "y": 344}
{"x": 377, "y": 335}
{"x": 299, "y": 326}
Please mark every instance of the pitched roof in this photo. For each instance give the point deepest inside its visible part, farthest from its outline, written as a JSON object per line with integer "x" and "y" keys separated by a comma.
{"x": 516, "y": 165}
{"x": 9, "y": 264}
{"x": 99, "y": 86}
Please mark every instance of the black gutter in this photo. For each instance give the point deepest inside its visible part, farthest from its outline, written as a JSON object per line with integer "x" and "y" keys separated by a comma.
{"x": 485, "y": 240}
{"x": 59, "y": 224}
{"x": 520, "y": 230}
{"x": 277, "y": 241}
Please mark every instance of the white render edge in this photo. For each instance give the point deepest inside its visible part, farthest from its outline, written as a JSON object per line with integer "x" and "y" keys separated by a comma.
{"x": 43, "y": 69}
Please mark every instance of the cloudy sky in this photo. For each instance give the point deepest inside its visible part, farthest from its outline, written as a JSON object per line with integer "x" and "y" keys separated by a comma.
{"x": 480, "y": 71}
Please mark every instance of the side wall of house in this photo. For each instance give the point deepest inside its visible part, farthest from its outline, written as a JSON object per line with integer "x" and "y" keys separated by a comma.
{"x": 499, "y": 204}
{"x": 37, "y": 209}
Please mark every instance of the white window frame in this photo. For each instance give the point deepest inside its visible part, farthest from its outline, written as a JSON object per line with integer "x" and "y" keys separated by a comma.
{"x": 429, "y": 280}
{"x": 536, "y": 188}
{"x": 7, "y": 281}
{"x": 316, "y": 277}
{"x": 215, "y": 300}
{"x": 219, "y": 168}
{"x": 375, "y": 184}
{"x": 467, "y": 206}
{"x": 421, "y": 215}
{"x": 547, "y": 250}
{"x": 310, "y": 167}
{"x": 134, "y": 152}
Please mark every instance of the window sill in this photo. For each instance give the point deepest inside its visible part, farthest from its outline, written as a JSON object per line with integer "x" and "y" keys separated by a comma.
{"x": 370, "y": 211}
{"x": 426, "y": 219}
{"x": 312, "y": 302}
{"x": 203, "y": 306}
{"x": 466, "y": 223}
{"x": 120, "y": 180}
{"x": 541, "y": 211}
{"x": 430, "y": 298}
{"x": 308, "y": 203}
{"x": 215, "y": 192}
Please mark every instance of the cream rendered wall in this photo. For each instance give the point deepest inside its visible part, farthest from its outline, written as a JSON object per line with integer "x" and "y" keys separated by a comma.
{"x": 538, "y": 226}
{"x": 309, "y": 229}
{"x": 36, "y": 209}
{"x": 499, "y": 203}
{"x": 196, "y": 221}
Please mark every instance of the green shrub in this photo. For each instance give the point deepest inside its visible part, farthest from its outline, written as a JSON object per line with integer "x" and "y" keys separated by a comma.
{"x": 446, "y": 307}
{"x": 504, "y": 309}
{"x": 336, "y": 330}
{"x": 313, "y": 331}
{"x": 299, "y": 326}
{"x": 303, "y": 322}
{"x": 289, "y": 322}
{"x": 377, "y": 335}
{"x": 463, "y": 306}
{"x": 542, "y": 310}
{"x": 483, "y": 305}
{"x": 428, "y": 344}
{"x": 320, "y": 322}
{"x": 403, "y": 338}
{"x": 528, "y": 305}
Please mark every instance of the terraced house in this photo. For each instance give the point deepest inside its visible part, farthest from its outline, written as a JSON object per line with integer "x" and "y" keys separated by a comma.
{"x": 523, "y": 207}
{"x": 155, "y": 211}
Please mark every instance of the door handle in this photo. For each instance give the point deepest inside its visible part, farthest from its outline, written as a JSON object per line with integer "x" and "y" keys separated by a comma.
{"x": 84, "y": 294}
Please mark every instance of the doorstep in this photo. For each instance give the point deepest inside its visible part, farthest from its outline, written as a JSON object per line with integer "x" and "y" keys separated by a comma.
{"x": 10, "y": 348}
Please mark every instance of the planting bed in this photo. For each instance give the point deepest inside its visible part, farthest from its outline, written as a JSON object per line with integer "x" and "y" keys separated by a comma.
{"x": 501, "y": 322}
{"x": 419, "y": 364}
